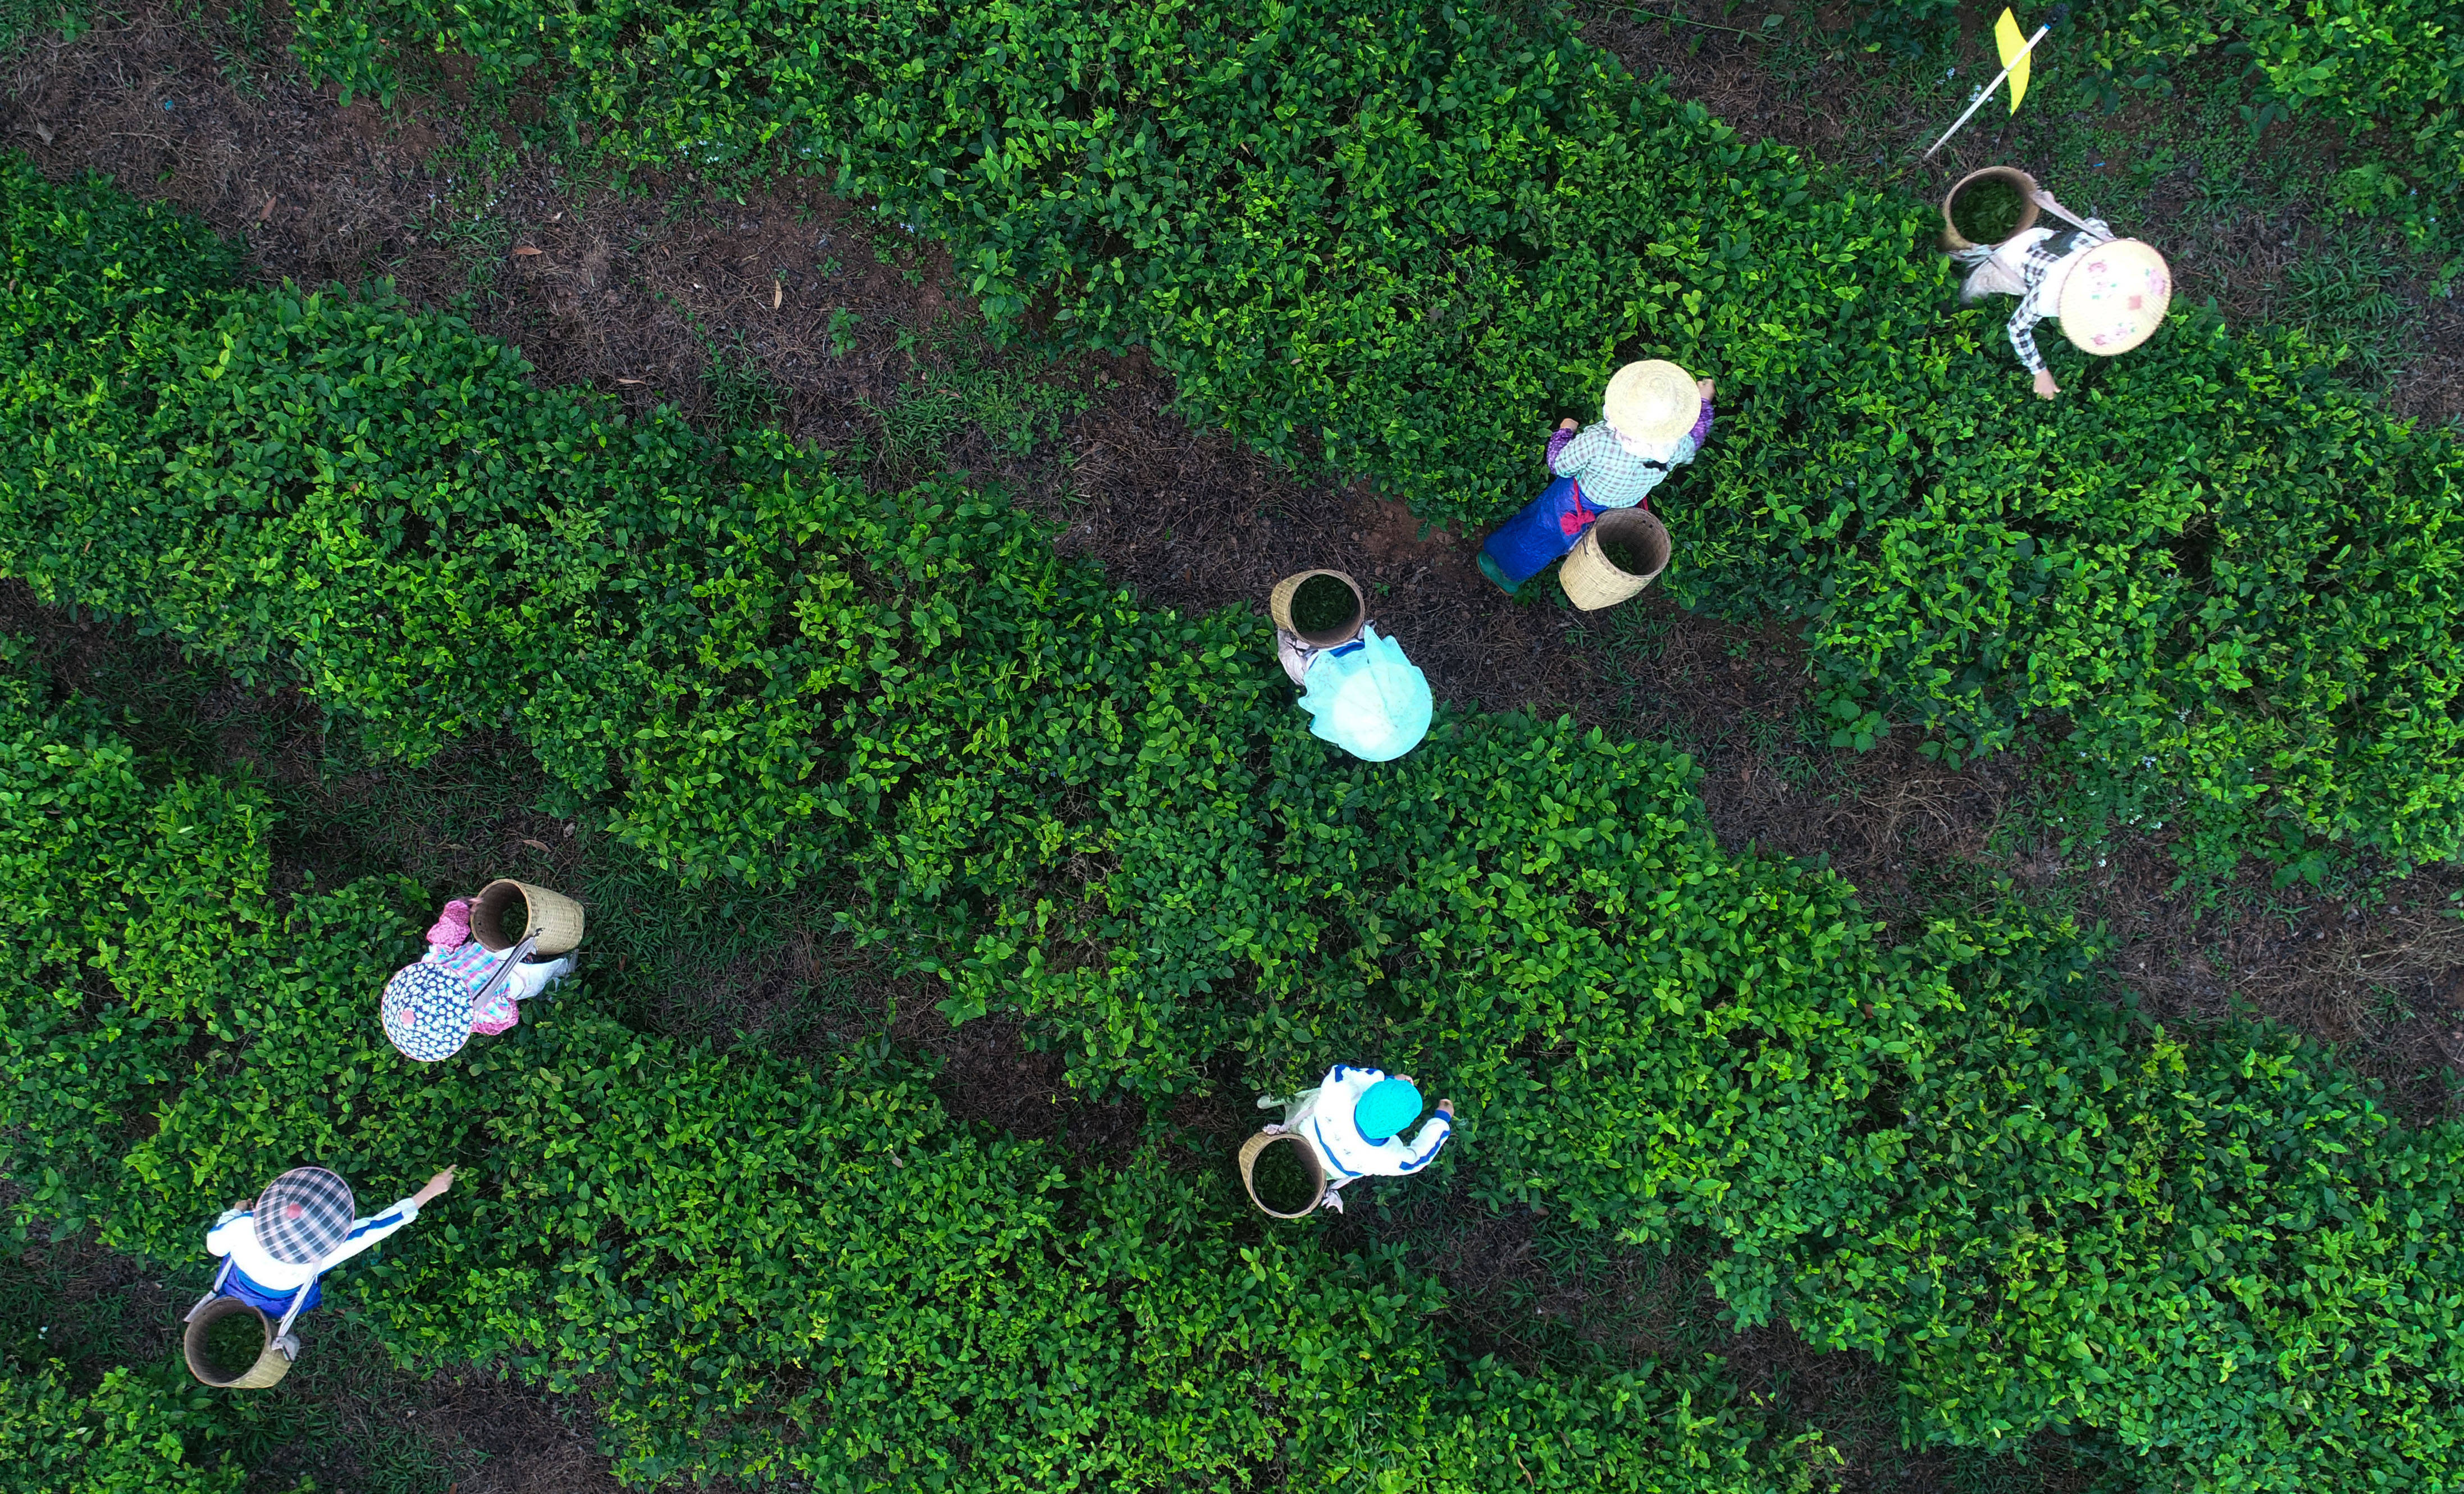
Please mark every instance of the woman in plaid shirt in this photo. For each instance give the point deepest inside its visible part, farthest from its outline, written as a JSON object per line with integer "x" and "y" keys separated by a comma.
{"x": 275, "y": 1247}
{"x": 1655, "y": 418}
{"x": 2125, "y": 300}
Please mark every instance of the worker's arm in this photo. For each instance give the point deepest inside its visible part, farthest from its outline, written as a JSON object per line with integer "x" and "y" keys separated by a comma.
{"x": 366, "y": 1232}
{"x": 2023, "y": 335}
{"x": 1569, "y": 459}
{"x": 1424, "y": 1147}
{"x": 2023, "y": 341}
{"x": 451, "y": 928}
{"x": 1557, "y": 440}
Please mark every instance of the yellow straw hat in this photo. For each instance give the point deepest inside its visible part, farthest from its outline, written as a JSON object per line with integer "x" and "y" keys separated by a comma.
{"x": 2115, "y": 297}
{"x": 1652, "y": 400}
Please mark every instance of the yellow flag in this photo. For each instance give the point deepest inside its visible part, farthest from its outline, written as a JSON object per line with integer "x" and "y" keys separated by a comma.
{"x": 2008, "y": 41}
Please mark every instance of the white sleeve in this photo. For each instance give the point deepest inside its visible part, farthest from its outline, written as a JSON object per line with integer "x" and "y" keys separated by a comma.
{"x": 368, "y": 1231}
{"x": 228, "y": 1231}
{"x": 1424, "y": 1146}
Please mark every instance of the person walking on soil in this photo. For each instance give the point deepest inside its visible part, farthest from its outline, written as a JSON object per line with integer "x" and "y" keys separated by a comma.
{"x": 274, "y": 1247}
{"x": 432, "y": 1005}
{"x": 1363, "y": 696}
{"x": 1353, "y": 1120}
{"x": 2110, "y": 294}
{"x": 1655, "y": 417}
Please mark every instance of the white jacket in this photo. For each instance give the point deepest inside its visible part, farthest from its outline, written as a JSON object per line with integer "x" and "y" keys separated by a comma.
{"x": 235, "y": 1235}
{"x": 1324, "y": 1120}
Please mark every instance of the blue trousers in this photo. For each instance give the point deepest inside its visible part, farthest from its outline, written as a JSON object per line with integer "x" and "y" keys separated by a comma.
{"x": 273, "y": 1304}
{"x": 1541, "y": 532}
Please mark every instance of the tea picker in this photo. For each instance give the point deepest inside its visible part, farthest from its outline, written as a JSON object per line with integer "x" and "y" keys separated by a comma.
{"x": 273, "y": 1250}
{"x": 1654, "y": 418}
{"x": 1358, "y": 688}
{"x": 479, "y": 967}
{"x": 1351, "y": 1124}
{"x": 2110, "y": 294}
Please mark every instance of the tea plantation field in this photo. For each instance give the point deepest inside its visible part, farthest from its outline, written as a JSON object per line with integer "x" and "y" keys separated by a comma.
{"x": 2215, "y": 582}
{"x": 1403, "y": 241}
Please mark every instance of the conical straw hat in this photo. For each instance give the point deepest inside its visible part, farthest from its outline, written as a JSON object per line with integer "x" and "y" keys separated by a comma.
{"x": 2116, "y": 297}
{"x": 1652, "y": 400}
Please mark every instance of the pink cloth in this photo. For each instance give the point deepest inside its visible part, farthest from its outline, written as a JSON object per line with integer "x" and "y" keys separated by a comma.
{"x": 451, "y": 928}
{"x": 495, "y": 1013}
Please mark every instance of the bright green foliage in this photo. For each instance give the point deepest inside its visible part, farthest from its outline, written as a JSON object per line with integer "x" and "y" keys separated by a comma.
{"x": 1111, "y": 823}
{"x": 1406, "y": 239}
{"x": 2223, "y": 1250}
{"x": 731, "y": 644}
{"x": 756, "y": 1266}
{"x": 128, "y": 1437}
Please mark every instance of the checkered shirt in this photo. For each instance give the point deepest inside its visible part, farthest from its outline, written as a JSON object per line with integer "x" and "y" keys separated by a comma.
{"x": 2037, "y": 263}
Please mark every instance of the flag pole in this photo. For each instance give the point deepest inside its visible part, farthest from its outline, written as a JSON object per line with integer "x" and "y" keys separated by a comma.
{"x": 1987, "y": 92}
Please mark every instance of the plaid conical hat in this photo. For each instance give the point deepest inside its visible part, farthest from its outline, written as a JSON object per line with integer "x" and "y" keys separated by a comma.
{"x": 426, "y": 1013}
{"x": 303, "y": 1215}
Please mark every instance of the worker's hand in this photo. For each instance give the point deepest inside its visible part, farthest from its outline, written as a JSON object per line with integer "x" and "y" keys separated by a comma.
{"x": 1446, "y": 1109}
{"x": 1705, "y": 387}
{"x": 1564, "y": 425}
{"x": 2046, "y": 388}
{"x": 436, "y": 1186}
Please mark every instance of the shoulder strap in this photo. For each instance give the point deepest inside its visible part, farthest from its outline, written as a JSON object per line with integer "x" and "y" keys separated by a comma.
{"x": 220, "y": 1277}
{"x": 2045, "y": 200}
{"x": 298, "y": 1298}
{"x": 505, "y": 967}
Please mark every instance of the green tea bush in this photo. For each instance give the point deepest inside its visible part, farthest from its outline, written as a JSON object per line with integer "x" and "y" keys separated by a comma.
{"x": 1404, "y": 241}
{"x": 128, "y": 1436}
{"x": 2218, "y": 1251}
{"x": 757, "y": 1267}
{"x": 1110, "y": 823}
{"x": 740, "y": 652}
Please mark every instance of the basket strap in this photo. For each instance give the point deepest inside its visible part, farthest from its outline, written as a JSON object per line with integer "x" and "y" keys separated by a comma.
{"x": 297, "y": 1298}
{"x": 2045, "y": 200}
{"x": 512, "y": 956}
{"x": 220, "y": 1277}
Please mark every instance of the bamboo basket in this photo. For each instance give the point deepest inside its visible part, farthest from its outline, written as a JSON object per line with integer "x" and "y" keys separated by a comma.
{"x": 1591, "y": 582}
{"x": 1953, "y": 240}
{"x": 1279, "y": 606}
{"x": 272, "y": 1363}
{"x": 1250, "y": 1152}
{"x": 506, "y": 911}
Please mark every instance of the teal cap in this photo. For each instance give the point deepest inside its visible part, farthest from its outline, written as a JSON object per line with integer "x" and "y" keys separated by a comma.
{"x": 1386, "y": 1108}
{"x": 1368, "y": 700}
